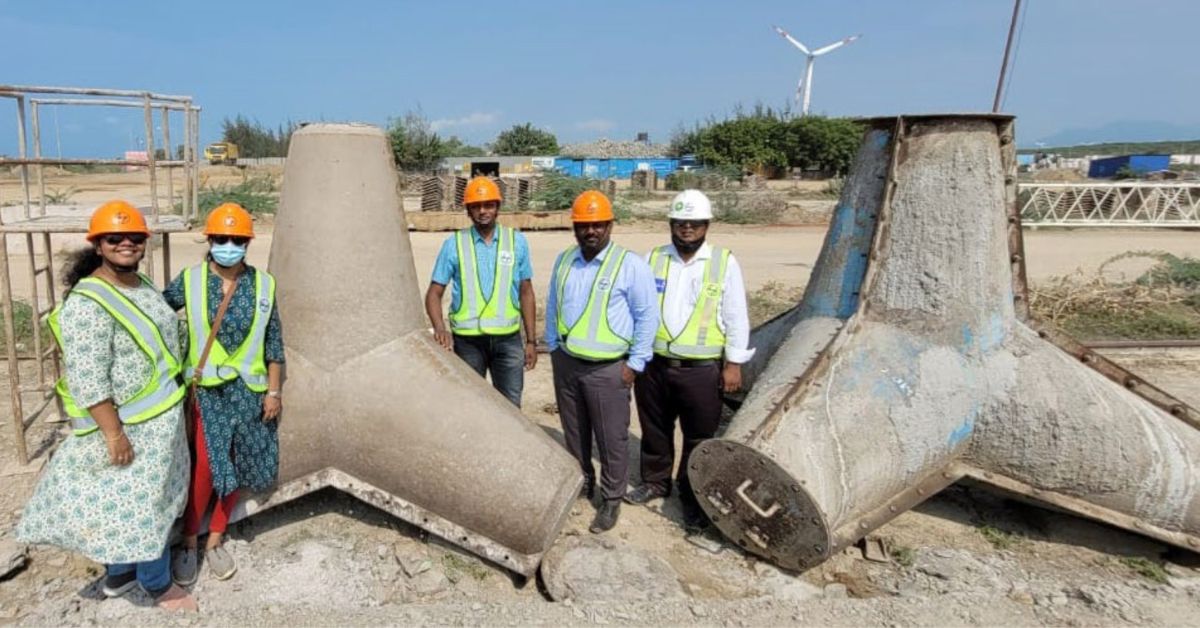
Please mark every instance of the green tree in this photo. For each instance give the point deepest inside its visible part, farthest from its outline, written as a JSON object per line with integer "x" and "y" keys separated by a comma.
{"x": 454, "y": 147}
{"x": 524, "y": 139}
{"x": 255, "y": 140}
{"x": 817, "y": 142}
{"x": 415, "y": 145}
{"x": 748, "y": 142}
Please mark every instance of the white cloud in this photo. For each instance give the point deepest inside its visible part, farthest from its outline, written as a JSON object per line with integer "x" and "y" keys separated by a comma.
{"x": 595, "y": 124}
{"x": 478, "y": 118}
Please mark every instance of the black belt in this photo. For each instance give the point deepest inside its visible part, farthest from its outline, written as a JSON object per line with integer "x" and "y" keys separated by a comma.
{"x": 676, "y": 363}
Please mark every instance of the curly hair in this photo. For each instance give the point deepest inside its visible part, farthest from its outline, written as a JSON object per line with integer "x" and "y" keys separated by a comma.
{"x": 80, "y": 263}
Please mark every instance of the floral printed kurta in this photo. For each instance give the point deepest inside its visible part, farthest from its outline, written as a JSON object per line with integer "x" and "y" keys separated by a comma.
{"x": 83, "y": 503}
{"x": 243, "y": 450}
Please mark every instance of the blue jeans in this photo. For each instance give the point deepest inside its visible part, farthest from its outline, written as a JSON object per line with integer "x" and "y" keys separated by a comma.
{"x": 504, "y": 356}
{"x": 153, "y": 575}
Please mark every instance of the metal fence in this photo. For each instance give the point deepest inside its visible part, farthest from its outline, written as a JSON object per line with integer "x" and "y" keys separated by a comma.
{"x": 35, "y": 225}
{"x": 1119, "y": 204}
{"x": 254, "y": 162}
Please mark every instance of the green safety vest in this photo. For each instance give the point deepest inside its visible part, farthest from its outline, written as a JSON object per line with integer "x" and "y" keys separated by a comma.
{"x": 498, "y": 315}
{"x": 590, "y": 338}
{"x": 702, "y": 337}
{"x": 247, "y": 362}
{"x": 160, "y": 393}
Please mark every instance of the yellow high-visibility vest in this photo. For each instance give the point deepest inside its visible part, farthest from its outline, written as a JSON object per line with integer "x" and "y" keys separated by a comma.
{"x": 590, "y": 338}
{"x": 498, "y": 315}
{"x": 247, "y": 362}
{"x": 160, "y": 393}
{"x": 702, "y": 337}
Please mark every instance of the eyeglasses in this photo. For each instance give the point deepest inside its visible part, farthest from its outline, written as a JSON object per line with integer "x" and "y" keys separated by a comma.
{"x": 689, "y": 224}
{"x": 136, "y": 239}
{"x": 237, "y": 240}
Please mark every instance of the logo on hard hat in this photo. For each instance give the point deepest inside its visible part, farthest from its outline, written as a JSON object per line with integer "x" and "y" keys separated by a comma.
{"x": 230, "y": 221}
{"x": 120, "y": 218}
{"x": 679, "y": 205}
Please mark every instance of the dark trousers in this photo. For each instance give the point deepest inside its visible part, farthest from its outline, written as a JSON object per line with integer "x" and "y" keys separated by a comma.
{"x": 504, "y": 356}
{"x": 593, "y": 404}
{"x": 664, "y": 393}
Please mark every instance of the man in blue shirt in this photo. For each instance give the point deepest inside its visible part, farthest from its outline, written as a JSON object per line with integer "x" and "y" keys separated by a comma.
{"x": 491, "y": 294}
{"x": 601, "y": 317}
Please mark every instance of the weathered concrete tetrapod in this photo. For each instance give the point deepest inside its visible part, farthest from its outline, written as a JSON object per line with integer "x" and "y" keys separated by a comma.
{"x": 374, "y": 406}
{"x": 911, "y": 363}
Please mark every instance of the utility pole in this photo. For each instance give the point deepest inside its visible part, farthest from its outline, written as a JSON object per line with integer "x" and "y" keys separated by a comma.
{"x": 1012, "y": 27}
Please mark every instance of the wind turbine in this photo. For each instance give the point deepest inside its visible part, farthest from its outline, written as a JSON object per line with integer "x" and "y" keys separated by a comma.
{"x": 805, "y": 86}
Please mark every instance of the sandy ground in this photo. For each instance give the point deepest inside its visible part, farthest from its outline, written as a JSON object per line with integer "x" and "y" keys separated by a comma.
{"x": 965, "y": 557}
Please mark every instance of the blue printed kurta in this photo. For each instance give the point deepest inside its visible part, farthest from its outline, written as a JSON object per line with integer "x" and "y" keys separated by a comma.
{"x": 243, "y": 450}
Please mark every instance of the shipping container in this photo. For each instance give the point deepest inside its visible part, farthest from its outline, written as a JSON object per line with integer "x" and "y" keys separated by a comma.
{"x": 1108, "y": 167}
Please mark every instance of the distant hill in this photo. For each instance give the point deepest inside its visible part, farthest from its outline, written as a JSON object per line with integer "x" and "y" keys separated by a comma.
{"x": 1118, "y": 131}
{"x": 1186, "y": 147}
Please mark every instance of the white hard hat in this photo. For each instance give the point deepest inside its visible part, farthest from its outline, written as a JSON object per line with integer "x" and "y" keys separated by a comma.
{"x": 690, "y": 205}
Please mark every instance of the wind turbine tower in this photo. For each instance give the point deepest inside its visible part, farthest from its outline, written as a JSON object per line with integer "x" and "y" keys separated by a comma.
{"x": 804, "y": 88}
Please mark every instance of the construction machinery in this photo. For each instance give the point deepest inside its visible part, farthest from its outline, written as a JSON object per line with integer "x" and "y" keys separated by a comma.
{"x": 221, "y": 153}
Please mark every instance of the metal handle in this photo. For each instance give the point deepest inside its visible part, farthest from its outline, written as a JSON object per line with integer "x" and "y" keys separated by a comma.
{"x": 765, "y": 514}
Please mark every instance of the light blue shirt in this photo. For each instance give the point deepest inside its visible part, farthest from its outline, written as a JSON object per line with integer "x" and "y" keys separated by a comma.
{"x": 445, "y": 269}
{"x": 632, "y": 304}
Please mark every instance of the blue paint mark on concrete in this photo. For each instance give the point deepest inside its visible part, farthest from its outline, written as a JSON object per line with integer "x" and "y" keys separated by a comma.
{"x": 881, "y": 138}
{"x": 991, "y": 336}
{"x": 961, "y": 432}
{"x": 966, "y": 428}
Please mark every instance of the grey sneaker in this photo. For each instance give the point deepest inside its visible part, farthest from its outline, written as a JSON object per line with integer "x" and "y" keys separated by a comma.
{"x": 184, "y": 567}
{"x": 220, "y": 563}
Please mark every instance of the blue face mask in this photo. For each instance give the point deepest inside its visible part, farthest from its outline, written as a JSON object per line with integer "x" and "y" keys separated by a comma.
{"x": 228, "y": 254}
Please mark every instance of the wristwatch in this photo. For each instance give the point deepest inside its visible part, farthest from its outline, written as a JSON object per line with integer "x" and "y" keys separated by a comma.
{"x": 274, "y": 393}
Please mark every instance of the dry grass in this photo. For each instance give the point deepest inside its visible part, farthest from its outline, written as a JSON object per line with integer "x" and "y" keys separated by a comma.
{"x": 1162, "y": 303}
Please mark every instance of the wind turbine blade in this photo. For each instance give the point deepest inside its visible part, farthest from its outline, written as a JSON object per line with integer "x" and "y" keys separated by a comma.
{"x": 791, "y": 39}
{"x": 820, "y": 51}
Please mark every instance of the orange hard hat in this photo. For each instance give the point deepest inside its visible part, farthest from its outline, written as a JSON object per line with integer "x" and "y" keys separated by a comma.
{"x": 591, "y": 206}
{"x": 481, "y": 190}
{"x": 116, "y": 217}
{"x": 229, "y": 219}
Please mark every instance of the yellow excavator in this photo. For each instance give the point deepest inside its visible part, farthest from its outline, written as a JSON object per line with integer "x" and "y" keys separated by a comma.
{"x": 221, "y": 153}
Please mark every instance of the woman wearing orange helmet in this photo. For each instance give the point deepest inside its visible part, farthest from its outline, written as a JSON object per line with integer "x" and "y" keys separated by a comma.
{"x": 113, "y": 491}
{"x": 234, "y": 365}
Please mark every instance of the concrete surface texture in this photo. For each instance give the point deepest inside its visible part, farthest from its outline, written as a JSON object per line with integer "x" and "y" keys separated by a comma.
{"x": 376, "y": 407}
{"x": 907, "y": 368}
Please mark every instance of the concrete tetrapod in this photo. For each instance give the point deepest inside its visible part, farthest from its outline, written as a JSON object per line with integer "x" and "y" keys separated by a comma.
{"x": 911, "y": 363}
{"x": 374, "y": 406}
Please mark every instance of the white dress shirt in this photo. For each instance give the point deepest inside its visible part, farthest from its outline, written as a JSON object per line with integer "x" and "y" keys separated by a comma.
{"x": 684, "y": 280}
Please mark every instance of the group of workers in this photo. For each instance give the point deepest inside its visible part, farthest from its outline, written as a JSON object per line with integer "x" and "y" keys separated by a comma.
{"x": 671, "y": 329}
{"x": 168, "y": 415}
{"x": 172, "y": 417}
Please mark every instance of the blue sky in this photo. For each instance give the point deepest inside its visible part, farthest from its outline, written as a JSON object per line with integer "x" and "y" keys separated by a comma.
{"x": 602, "y": 68}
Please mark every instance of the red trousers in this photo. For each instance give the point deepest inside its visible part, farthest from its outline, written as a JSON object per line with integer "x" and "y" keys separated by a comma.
{"x": 202, "y": 490}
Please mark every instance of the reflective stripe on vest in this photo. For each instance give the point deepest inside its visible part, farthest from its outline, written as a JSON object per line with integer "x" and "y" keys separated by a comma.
{"x": 701, "y": 338}
{"x": 498, "y": 315}
{"x": 248, "y": 361}
{"x": 160, "y": 392}
{"x": 591, "y": 338}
